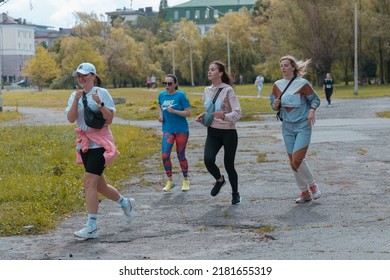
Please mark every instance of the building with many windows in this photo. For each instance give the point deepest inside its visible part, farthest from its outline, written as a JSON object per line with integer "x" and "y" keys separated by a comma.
{"x": 130, "y": 15}
{"x": 47, "y": 36}
{"x": 206, "y": 12}
{"x": 16, "y": 46}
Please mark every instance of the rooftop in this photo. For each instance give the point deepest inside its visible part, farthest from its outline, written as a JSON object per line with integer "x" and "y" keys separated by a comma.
{"x": 214, "y": 3}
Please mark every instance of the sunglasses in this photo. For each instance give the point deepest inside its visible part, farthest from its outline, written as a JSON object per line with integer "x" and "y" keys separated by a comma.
{"x": 167, "y": 84}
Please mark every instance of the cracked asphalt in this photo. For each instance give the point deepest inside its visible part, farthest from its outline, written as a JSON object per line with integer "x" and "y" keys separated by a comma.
{"x": 349, "y": 158}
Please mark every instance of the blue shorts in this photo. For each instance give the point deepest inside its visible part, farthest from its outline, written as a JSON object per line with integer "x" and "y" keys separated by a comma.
{"x": 296, "y": 135}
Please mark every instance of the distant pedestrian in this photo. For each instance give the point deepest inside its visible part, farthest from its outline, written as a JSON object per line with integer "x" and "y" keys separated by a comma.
{"x": 148, "y": 82}
{"x": 153, "y": 81}
{"x": 297, "y": 106}
{"x": 95, "y": 147}
{"x": 329, "y": 88}
{"x": 174, "y": 109}
{"x": 241, "y": 79}
{"x": 259, "y": 84}
{"x": 222, "y": 131}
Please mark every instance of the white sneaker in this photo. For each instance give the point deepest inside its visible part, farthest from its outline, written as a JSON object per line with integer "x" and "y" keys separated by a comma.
{"x": 315, "y": 191}
{"x": 128, "y": 207}
{"x": 87, "y": 232}
{"x": 303, "y": 197}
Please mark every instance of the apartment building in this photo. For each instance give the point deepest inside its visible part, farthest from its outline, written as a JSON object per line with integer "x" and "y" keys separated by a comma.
{"x": 16, "y": 46}
{"x": 130, "y": 15}
{"x": 206, "y": 12}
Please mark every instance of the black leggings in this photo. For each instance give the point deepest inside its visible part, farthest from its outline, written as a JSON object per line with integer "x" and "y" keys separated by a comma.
{"x": 216, "y": 138}
{"x": 328, "y": 94}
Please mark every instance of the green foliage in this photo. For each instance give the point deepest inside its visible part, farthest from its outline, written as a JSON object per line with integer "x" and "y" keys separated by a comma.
{"x": 40, "y": 183}
{"x": 70, "y": 59}
{"x": 41, "y": 69}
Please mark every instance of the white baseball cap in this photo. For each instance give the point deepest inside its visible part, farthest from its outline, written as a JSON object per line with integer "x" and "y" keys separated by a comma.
{"x": 84, "y": 69}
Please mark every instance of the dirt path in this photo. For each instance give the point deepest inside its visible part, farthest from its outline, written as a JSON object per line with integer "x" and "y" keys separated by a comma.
{"x": 349, "y": 156}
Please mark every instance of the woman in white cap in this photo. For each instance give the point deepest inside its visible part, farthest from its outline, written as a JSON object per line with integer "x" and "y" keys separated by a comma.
{"x": 95, "y": 148}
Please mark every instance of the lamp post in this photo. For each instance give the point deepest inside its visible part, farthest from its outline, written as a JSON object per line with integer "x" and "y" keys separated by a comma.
{"x": 191, "y": 67}
{"x": 356, "y": 53}
{"x": 227, "y": 36}
{"x": 173, "y": 49}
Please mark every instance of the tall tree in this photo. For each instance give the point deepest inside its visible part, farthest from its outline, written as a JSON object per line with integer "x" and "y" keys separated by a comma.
{"x": 123, "y": 59}
{"x": 376, "y": 17}
{"x": 310, "y": 29}
{"x": 162, "y": 12}
{"x": 72, "y": 52}
{"x": 41, "y": 69}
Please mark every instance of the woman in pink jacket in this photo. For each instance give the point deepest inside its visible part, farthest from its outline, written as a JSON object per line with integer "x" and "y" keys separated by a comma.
{"x": 95, "y": 147}
{"x": 222, "y": 131}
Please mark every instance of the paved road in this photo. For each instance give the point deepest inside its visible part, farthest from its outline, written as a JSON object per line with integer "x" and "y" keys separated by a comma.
{"x": 349, "y": 157}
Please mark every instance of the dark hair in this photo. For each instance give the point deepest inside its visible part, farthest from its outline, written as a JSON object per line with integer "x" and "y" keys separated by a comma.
{"x": 98, "y": 81}
{"x": 225, "y": 76}
{"x": 173, "y": 76}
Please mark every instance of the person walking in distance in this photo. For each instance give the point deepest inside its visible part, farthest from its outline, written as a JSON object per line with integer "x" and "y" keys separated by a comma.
{"x": 259, "y": 84}
{"x": 174, "y": 109}
{"x": 329, "y": 88}
{"x": 297, "y": 101}
{"x": 95, "y": 148}
{"x": 222, "y": 131}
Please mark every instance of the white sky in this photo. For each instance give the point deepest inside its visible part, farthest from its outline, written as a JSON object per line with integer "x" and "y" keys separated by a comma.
{"x": 60, "y": 13}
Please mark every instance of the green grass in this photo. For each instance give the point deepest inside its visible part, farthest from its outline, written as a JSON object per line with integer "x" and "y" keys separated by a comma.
{"x": 142, "y": 104}
{"x": 40, "y": 183}
{"x": 9, "y": 115}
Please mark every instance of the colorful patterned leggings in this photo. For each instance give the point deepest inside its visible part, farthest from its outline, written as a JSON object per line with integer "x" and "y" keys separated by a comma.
{"x": 168, "y": 139}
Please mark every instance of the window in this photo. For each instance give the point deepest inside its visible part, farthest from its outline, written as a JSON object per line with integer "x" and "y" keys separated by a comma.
{"x": 197, "y": 14}
{"x": 187, "y": 14}
{"x": 216, "y": 14}
{"x": 206, "y": 13}
{"x": 176, "y": 15}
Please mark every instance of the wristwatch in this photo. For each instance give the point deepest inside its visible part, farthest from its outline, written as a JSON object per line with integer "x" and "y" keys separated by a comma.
{"x": 101, "y": 104}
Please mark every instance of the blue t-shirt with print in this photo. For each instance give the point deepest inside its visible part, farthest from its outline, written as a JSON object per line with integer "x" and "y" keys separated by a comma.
{"x": 173, "y": 123}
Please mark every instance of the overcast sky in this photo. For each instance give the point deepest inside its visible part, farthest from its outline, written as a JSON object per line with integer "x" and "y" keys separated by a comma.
{"x": 60, "y": 13}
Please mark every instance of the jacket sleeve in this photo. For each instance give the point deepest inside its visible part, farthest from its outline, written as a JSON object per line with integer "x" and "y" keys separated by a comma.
{"x": 236, "y": 113}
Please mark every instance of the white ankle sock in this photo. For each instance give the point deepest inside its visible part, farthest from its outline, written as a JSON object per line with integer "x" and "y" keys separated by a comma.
{"x": 92, "y": 220}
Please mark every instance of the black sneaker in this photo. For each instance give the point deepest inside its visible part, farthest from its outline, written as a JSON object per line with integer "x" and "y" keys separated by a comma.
{"x": 217, "y": 187}
{"x": 236, "y": 199}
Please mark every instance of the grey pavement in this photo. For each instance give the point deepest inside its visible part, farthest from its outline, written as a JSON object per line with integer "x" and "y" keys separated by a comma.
{"x": 349, "y": 158}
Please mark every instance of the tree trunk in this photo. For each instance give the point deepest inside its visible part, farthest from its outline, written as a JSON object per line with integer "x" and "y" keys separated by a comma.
{"x": 381, "y": 74}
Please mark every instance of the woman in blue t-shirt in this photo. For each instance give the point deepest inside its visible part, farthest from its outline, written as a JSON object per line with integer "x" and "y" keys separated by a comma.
{"x": 174, "y": 109}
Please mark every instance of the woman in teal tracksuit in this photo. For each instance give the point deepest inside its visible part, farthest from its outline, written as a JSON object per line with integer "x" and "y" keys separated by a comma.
{"x": 297, "y": 109}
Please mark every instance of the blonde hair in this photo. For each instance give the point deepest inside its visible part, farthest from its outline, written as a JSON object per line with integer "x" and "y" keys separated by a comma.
{"x": 300, "y": 66}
